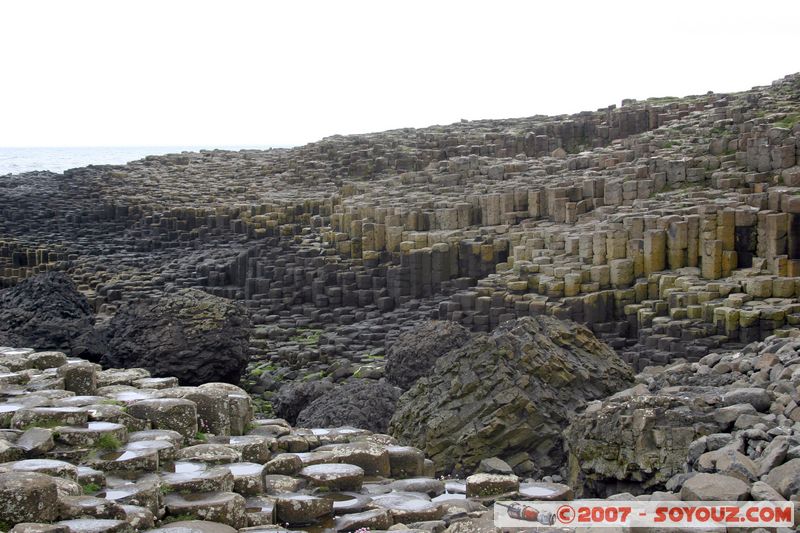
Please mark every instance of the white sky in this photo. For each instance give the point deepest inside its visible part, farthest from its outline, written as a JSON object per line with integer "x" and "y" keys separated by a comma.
{"x": 170, "y": 72}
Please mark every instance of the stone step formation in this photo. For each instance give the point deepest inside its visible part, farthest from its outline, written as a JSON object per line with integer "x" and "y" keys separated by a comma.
{"x": 107, "y": 451}
{"x": 86, "y": 450}
{"x": 669, "y": 225}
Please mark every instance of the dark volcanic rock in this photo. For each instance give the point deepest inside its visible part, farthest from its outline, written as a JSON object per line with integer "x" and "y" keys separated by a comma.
{"x": 508, "y": 394}
{"x": 189, "y": 334}
{"x": 294, "y": 397}
{"x": 362, "y": 403}
{"x": 415, "y": 352}
{"x": 45, "y": 312}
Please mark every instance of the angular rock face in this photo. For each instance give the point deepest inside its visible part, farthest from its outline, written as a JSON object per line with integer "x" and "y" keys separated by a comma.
{"x": 360, "y": 403}
{"x": 633, "y": 444}
{"x": 294, "y": 397}
{"x": 189, "y": 334}
{"x": 27, "y": 497}
{"x": 45, "y": 311}
{"x": 414, "y": 353}
{"x": 508, "y": 394}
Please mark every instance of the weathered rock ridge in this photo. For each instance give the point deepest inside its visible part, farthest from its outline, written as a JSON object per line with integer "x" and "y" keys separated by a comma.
{"x": 669, "y": 226}
{"x": 509, "y": 394}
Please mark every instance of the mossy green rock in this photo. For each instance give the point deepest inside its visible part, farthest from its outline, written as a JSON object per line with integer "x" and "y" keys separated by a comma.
{"x": 508, "y": 393}
{"x": 634, "y": 444}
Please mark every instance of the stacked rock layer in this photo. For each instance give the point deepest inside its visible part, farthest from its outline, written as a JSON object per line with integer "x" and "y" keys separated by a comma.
{"x": 669, "y": 225}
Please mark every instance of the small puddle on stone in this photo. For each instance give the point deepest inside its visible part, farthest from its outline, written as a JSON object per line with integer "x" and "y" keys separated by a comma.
{"x": 536, "y": 492}
{"x": 10, "y": 407}
{"x": 16, "y": 352}
{"x": 40, "y": 463}
{"x": 209, "y": 497}
{"x": 60, "y": 410}
{"x": 323, "y": 526}
{"x": 455, "y": 487}
{"x": 125, "y": 455}
{"x": 80, "y": 401}
{"x": 347, "y": 502}
{"x": 245, "y": 469}
{"x": 131, "y": 396}
{"x": 445, "y": 497}
{"x": 103, "y": 426}
{"x": 186, "y": 467}
{"x": 403, "y": 501}
{"x": 338, "y": 496}
{"x": 116, "y": 494}
{"x": 148, "y": 445}
{"x": 111, "y": 456}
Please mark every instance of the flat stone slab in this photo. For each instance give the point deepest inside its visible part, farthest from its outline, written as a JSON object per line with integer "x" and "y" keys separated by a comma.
{"x": 409, "y": 507}
{"x": 209, "y": 453}
{"x": 86, "y": 525}
{"x": 206, "y": 480}
{"x": 194, "y": 526}
{"x": 27, "y": 497}
{"x": 248, "y": 478}
{"x": 302, "y": 508}
{"x": 545, "y": 491}
{"x": 334, "y": 477}
{"x": 223, "y": 507}
{"x": 51, "y": 467}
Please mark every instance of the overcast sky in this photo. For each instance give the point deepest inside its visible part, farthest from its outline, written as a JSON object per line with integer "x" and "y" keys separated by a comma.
{"x": 169, "y": 72}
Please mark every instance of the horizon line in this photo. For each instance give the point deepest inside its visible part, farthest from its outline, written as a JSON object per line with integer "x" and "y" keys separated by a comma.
{"x": 210, "y": 145}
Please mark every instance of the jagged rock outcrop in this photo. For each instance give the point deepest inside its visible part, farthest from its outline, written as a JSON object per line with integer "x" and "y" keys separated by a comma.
{"x": 634, "y": 443}
{"x": 139, "y": 455}
{"x": 415, "y": 352}
{"x": 734, "y": 414}
{"x": 361, "y": 403}
{"x": 46, "y": 311}
{"x": 194, "y": 336}
{"x": 508, "y": 394}
{"x": 292, "y": 398}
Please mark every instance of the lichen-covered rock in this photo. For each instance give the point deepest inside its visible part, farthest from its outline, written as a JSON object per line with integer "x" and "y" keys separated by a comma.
{"x": 361, "y": 403}
{"x": 46, "y": 312}
{"x": 334, "y": 477}
{"x": 415, "y": 352}
{"x": 508, "y": 393}
{"x": 714, "y": 487}
{"x": 633, "y": 444}
{"x": 167, "y": 413}
{"x": 224, "y": 507}
{"x": 189, "y": 334}
{"x": 302, "y": 508}
{"x": 27, "y": 497}
{"x": 481, "y": 485}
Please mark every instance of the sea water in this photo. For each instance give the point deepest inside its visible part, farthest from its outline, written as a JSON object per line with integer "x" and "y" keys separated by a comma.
{"x": 59, "y": 159}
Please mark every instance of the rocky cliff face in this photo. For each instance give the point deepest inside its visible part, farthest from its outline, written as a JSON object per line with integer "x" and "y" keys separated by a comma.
{"x": 509, "y": 394}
